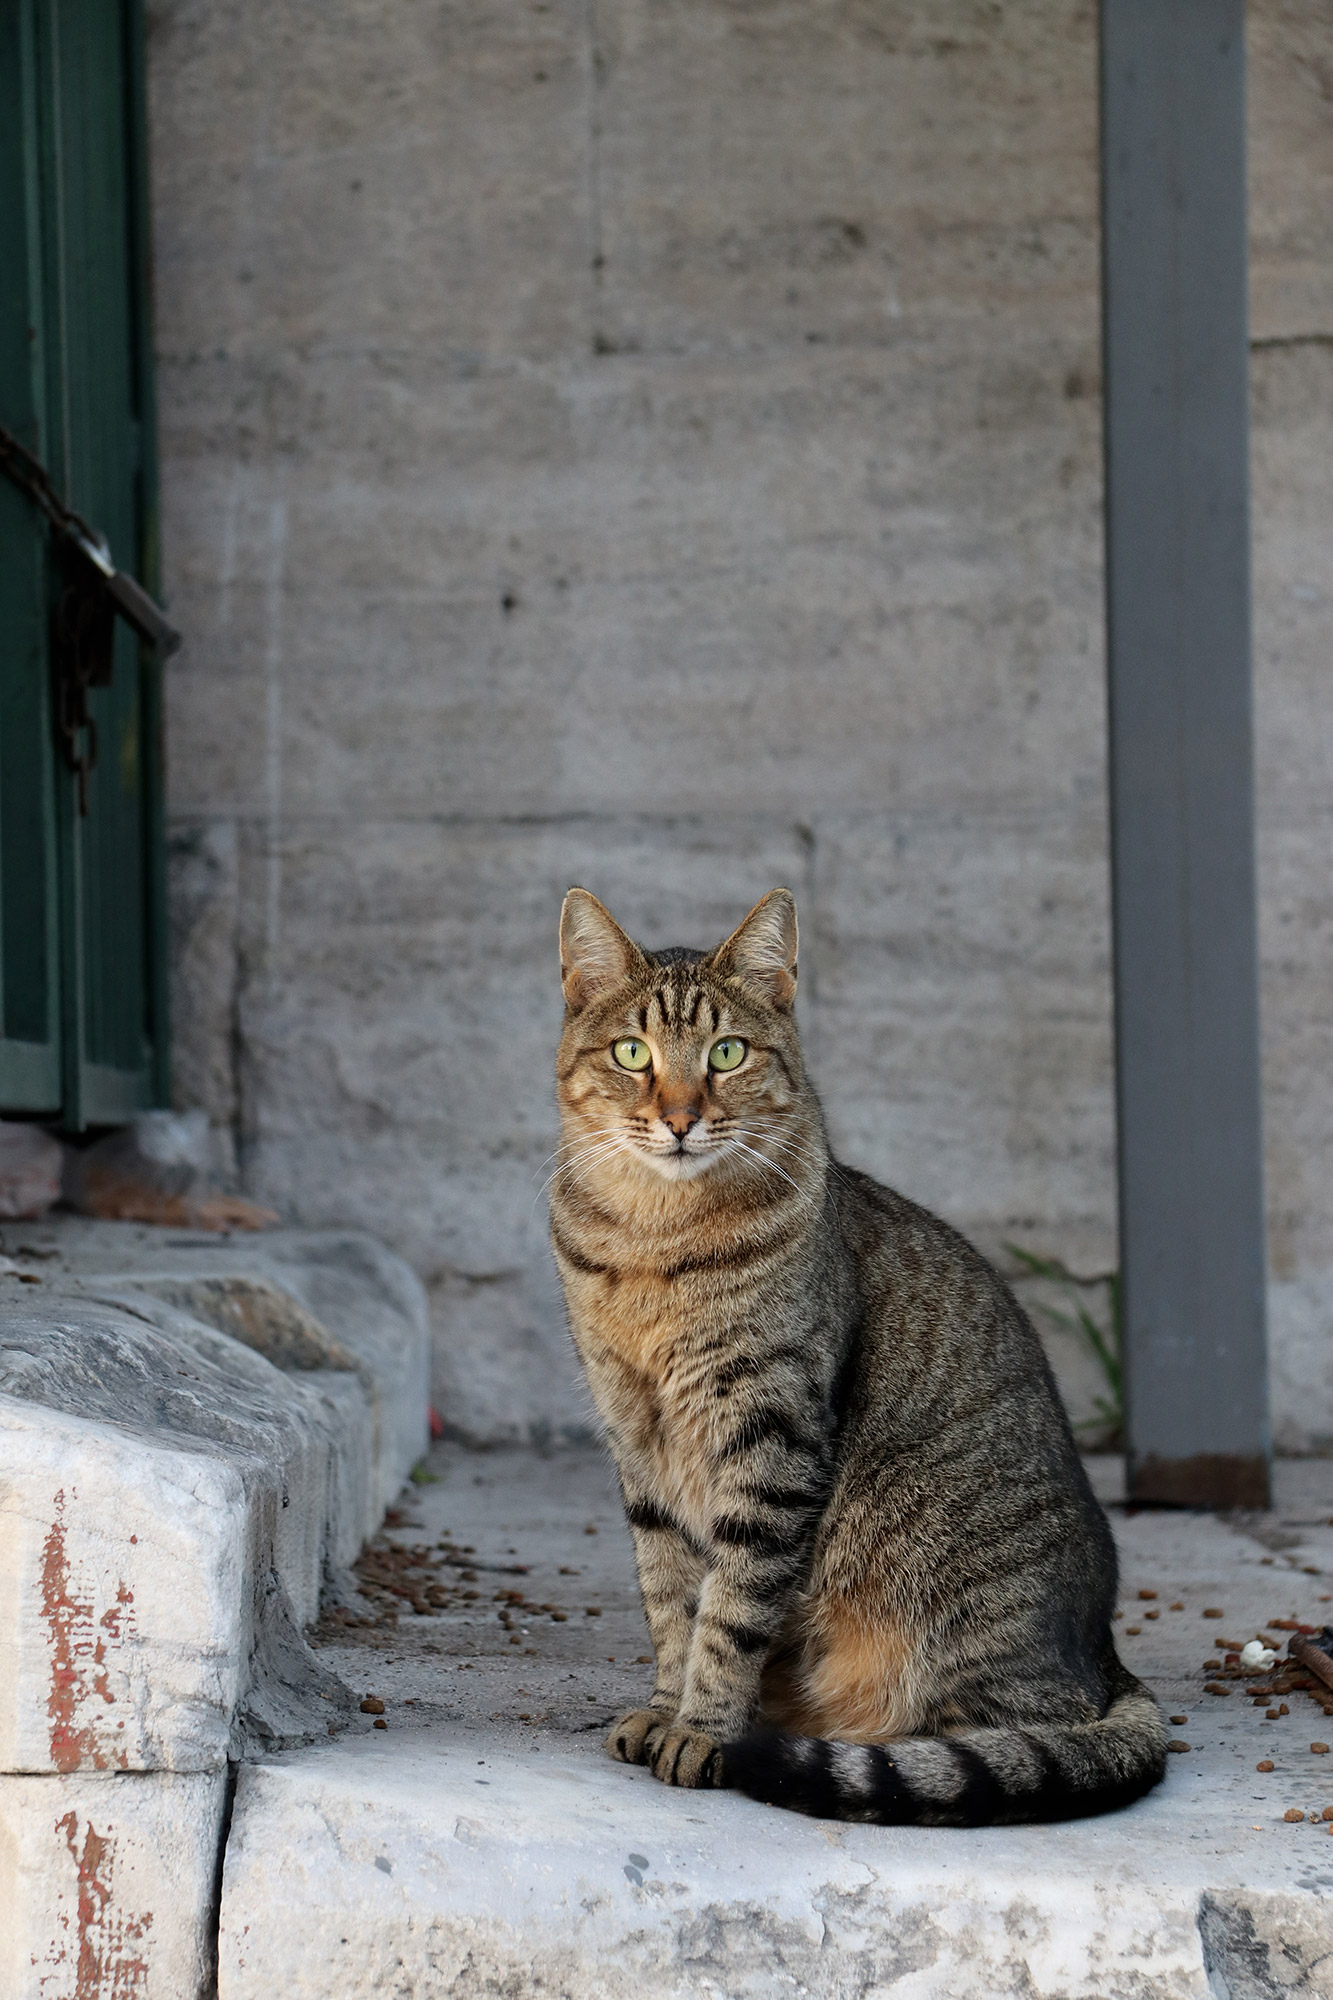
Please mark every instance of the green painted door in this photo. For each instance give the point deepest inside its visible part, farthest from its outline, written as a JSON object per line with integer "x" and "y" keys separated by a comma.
{"x": 82, "y": 1013}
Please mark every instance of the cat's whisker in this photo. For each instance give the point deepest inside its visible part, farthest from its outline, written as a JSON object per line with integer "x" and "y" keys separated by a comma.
{"x": 574, "y": 1175}
{"x": 601, "y": 1132}
{"x": 601, "y": 1150}
{"x": 806, "y": 1155}
{"x": 793, "y": 1141}
{"x": 780, "y": 1132}
{"x": 590, "y": 1152}
{"x": 772, "y": 1165}
{"x": 815, "y": 1154}
{"x": 802, "y": 1194}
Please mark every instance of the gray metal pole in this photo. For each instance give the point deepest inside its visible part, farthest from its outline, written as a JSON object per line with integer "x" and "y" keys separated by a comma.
{"x": 1181, "y": 755}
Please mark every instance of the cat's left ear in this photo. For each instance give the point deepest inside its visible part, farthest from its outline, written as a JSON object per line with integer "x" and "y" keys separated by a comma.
{"x": 762, "y": 950}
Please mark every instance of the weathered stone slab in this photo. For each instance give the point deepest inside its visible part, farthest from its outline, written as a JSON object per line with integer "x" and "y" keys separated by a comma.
{"x": 106, "y": 1886}
{"x": 474, "y": 1864}
{"x": 308, "y": 1301}
{"x": 172, "y": 1503}
{"x": 739, "y": 205}
{"x": 971, "y": 980}
{"x": 155, "y": 1373}
{"x": 190, "y": 1450}
{"x": 125, "y": 1606}
{"x": 484, "y": 1843}
{"x": 372, "y": 1303}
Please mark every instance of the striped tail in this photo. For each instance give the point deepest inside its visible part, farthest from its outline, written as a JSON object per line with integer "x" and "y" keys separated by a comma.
{"x": 982, "y": 1777}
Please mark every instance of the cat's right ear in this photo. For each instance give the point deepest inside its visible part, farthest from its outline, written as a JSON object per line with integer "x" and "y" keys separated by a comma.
{"x": 595, "y": 954}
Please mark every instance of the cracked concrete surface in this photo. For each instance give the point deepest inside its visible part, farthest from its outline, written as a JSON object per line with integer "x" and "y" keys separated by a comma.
{"x": 481, "y": 1842}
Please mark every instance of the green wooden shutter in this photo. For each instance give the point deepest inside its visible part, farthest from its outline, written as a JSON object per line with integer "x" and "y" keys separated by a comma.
{"x": 30, "y": 1064}
{"x": 81, "y": 894}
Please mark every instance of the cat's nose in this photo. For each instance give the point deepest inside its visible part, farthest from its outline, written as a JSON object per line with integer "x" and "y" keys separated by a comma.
{"x": 681, "y": 1120}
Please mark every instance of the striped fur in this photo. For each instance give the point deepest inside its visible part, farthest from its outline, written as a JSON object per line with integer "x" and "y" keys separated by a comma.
{"x": 878, "y": 1584}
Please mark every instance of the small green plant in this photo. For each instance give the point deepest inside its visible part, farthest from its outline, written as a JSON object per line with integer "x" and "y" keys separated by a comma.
{"x": 419, "y": 1476}
{"x": 1103, "y": 1341}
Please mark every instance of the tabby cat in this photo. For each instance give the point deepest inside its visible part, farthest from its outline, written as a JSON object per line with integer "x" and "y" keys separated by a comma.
{"x": 878, "y": 1583}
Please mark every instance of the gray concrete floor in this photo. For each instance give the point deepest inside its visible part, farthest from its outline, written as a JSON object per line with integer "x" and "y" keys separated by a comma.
{"x": 547, "y": 1672}
{"x": 576, "y": 1652}
{"x": 481, "y": 1841}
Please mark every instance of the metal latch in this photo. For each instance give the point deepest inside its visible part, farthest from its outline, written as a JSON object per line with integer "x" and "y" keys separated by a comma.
{"x": 93, "y": 592}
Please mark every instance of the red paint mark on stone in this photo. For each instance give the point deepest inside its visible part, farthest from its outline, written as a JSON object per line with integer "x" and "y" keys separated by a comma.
{"x": 78, "y": 1656}
{"x": 109, "y": 1963}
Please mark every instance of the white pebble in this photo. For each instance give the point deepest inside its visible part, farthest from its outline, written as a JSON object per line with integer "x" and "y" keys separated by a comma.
{"x": 1256, "y": 1654}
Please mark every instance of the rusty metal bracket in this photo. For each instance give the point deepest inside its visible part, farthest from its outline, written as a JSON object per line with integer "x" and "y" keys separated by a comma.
{"x": 93, "y": 592}
{"x": 124, "y": 594}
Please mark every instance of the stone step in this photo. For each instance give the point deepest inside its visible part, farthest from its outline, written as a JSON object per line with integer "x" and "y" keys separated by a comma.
{"x": 482, "y": 1843}
{"x": 195, "y": 1439}
{"x": 424, "y": 1867}
{"x": 108, "y": 1885}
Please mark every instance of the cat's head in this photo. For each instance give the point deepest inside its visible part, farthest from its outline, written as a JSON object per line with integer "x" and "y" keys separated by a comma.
{"x": 678, "y": 1061}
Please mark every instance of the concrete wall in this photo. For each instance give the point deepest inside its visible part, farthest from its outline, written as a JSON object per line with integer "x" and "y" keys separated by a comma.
{"x": 655, "y": 444}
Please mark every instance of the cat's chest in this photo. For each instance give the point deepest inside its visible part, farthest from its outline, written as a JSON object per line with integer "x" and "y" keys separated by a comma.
{"x": 654, "y": 1393}
{"x": 662, "y": 1438}
{"x": 636, "y": 1315}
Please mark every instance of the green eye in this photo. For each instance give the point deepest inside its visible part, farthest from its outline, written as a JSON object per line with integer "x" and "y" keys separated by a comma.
{"x": 729, "y": 1053}
{"x": 631, "y": 1053}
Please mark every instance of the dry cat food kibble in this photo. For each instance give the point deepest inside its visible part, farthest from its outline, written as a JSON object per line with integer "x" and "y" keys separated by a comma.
{"x": 1319, "y": 1749}
{"x": 1133, "y": 1631}
{"x": 1265, "y": 1765}
{"x": 1292, "y": 1814}
{"x": 1179, "y": 1720}
{"x": 1212, "y": 1612}
{"x": 1147, "y": 1596}
{"x": 372, "y": 1705}
{"x": 1177, "y": 1746}
{"x": 379, "y": 1723}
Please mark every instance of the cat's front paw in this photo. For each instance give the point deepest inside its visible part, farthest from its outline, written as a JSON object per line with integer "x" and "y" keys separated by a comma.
{"x": 681, "y": 1756}
{"x": 629, "y": 1736}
